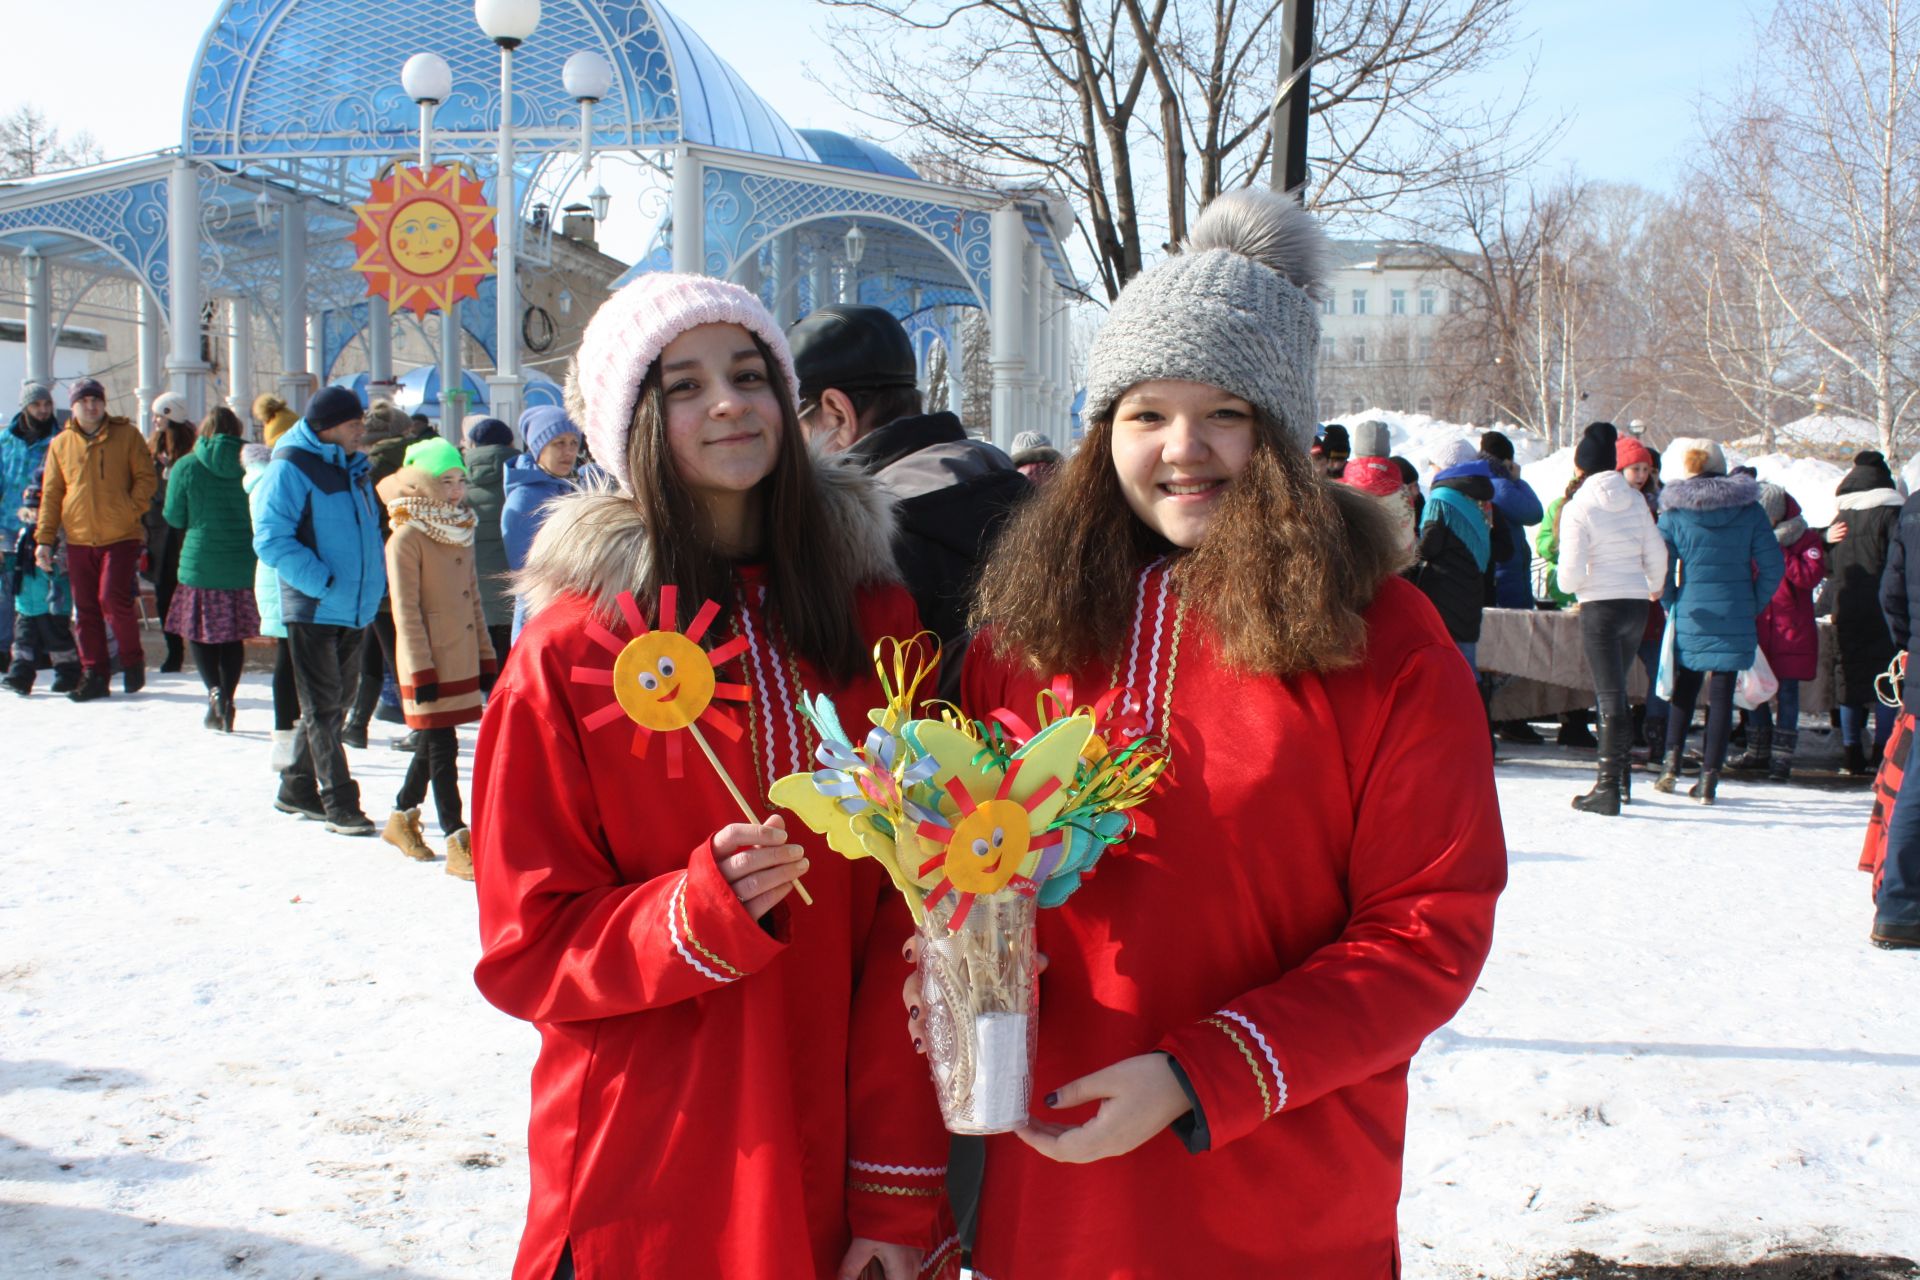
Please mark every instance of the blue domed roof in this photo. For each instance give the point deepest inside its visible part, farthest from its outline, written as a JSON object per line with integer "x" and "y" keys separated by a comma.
{"x": 843, "y": 152}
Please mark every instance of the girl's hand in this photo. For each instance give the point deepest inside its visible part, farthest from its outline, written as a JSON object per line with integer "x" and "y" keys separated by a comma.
{"x": 758, "y": 862}
{"x": 1138, "y": 1098}
{"x": 895, "y": 1261}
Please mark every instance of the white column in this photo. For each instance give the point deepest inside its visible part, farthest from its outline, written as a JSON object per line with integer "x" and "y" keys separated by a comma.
{"x": 379, "y": 349}
{"x": 849, "y": 283}
{"x": 317, "y": 348}
{"x": 1036, "y": 269}
{"x": 689, "y": 215}
{"x": 822, "y": 279}
{"x": 786, "y": 279}
{"x": 1007, "y": 320}
{"x": 296, "y": 383}
{"x": 39, "y": 319}
{"x": 150, "y": 385}
{"x": 186, "y": 372}
{"x": 453, "y": 383}
{"x": 503, "y": 385}
{"x": 1068, "y": 379}
{"x": 1044, "y": 397}
{"x": 240, "y": 362}
{"x": 746, "y": 273}
{"x": 956, "y": 363}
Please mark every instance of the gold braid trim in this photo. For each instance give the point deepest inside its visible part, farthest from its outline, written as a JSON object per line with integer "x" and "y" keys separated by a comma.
{"x": 1173, "y": 668}
{"x": 686, "y": 928}
{"x": 895, "y": 1191}
{"x": 940, "y": 1258}
{"x": 1253, "y": 1065}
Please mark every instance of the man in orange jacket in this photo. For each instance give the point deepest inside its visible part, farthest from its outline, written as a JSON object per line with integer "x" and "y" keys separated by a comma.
{"x": 98, "y": 480}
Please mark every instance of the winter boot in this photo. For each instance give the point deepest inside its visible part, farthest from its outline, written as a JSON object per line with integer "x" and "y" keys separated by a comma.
{"x": 92, "y": 685}
{"x": 133, "y": 679}
{"x": 300, "y": 798}
{"x": 1610, "y": 772}
{"x": 20, "y": 678}
{"x": 1574, "y": 731}
{"x": 226, "y": 712}
{"x": 407, "y": 742}
{"x": 66, "y": 677}
{"x": 343, "y": 812}
{"x": 1653, "y": 740}
{"x": 1891, "y": 936}
{"x": 1781, "y": 767}
{"x": 403, "y": 833}
{"x": 1519, "y": 731}
{"x": 1759, "y": 753}
{"x": 1854, "y": 765}
{"x": 460, "y": 855}
{"x": 1670, "y": 774}
{"x": 1704, "y": 789}
{"x": 213, "y": 718}
{"x": 176, "y": 655}
{"x": 354, "y": 735}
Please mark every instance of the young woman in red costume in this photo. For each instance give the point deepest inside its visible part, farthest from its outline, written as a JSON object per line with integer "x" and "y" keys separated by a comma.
{"x": 719, "y": 1091}
{"x": 1232, "y": 1001}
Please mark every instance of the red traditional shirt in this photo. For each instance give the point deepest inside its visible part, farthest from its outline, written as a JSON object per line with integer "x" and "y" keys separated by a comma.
{"x": 1312, "y": 894}
{"x": 713, "y": 1098}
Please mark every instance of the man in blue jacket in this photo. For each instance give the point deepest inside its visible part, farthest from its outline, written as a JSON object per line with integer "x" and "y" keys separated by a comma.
{"x": 1515, "y": 507}
{"x": 1896, "y": 909}
{"x": 318, "y": 528}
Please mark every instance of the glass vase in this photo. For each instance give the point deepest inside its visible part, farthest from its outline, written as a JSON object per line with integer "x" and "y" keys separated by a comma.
{"x": 981, "y": 993}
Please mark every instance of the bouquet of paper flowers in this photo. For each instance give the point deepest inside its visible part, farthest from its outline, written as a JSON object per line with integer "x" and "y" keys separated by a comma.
{"x": 977, "y": 823}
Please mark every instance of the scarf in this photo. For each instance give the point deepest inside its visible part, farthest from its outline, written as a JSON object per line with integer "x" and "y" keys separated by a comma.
{"x": 1462, "y": 517}
{"x": 447, "y": 522}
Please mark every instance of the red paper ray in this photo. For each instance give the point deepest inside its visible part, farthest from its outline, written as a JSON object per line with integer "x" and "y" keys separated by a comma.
{"x": 669, "y": 606}
{"x": 630, "y": 610}
{"x": 593, "y": 675}
{"x": 612, "y": 643}
{"x": 642, "y": 740}
{"x": 1039, "y": 797}
{"x": 732, "y": 692}
{"x": 604, "y": 716}
{"x": 722, "y": 723}
{"x": 727, "y": 652}
{"x": 960, "y": 797}
{"x": 702, "y": 620}
{"x": 1006, "y": 782}
{"x": 960, "y": 915}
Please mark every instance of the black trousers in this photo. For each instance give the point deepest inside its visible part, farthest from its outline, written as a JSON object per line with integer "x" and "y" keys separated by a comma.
{"x": 1610, "y": 630}
{"x": 219, "y": 665}
{"x": 1686, "y": 692}
{"x": 286, "y": 694}
{"x": 324, "y": 659}
{"x": 436, "y": 763}
{"x": 376, "y": 659}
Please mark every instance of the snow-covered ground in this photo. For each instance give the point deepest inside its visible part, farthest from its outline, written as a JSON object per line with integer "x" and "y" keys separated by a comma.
{"x": 235, "y": 1045}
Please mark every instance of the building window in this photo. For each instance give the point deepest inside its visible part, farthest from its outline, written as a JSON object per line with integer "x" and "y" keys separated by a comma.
{"x": 1397, "y": 348}
{"x": 1397, "y": 301}
{"x": 1357, "y": 405}
{"x": 1326, "y": 305}
{"x": 1455, "y": 303}
{"x": 1358, "y": 346}
{"x": 1429, "y": 299}
{"x": 1359, "y": 302}
{"x": 1426, "y": 348}
{"x": 1426, "y": 406}
{"x": 1327, "y": 351}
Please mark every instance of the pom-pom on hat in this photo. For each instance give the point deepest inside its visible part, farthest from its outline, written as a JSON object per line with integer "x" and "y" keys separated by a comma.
{"x": 435, "y": 456}
{"x": 332, "y": 406}
{"x": 541, "y": 425}
{"x": 1234, "y": 310}
{"x": 1628, "y": 450}
{"x": 1595, "y": 452}
{"x": 628, "y": 333}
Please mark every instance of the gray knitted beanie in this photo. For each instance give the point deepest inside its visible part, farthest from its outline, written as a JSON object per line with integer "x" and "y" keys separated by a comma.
{"x": 1234, "y": 310}
{"x": 1372, "y": 439}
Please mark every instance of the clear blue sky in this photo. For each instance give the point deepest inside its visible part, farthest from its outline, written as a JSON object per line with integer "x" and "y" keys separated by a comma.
{"x": 1627, "y": 71}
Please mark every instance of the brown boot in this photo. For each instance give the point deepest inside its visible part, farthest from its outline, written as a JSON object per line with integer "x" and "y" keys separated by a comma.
{"x": 403, "y": 833}
{"x": 460, "y": 855}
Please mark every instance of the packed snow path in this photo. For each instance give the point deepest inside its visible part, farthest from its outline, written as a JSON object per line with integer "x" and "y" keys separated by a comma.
{"x": 236, "y": 1045}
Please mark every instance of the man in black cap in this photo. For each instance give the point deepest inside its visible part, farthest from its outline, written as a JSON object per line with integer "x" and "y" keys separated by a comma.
{"x": 858, "y": 397}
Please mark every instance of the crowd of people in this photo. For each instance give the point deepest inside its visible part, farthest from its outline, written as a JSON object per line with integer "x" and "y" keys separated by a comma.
{"x": 788, "y": 494}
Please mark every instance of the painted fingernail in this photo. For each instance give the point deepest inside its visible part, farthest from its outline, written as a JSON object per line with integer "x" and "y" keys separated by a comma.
{"x": 913, "y": 1011}
{"x": 1052, "y": 1099}
{"x": 906, "y": 951}
{"x": 918, "y": 1045}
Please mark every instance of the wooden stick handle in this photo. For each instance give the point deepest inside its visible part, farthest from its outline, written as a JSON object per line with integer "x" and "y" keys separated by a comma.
{"x": 738, "y": 798}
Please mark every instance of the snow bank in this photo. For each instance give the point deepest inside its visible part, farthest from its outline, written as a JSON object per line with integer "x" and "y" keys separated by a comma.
{"x": 1823, "y": 433}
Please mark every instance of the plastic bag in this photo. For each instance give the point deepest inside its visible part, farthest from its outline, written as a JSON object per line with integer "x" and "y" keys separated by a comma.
{"x": 1663, "y": 679}
{"x": 1756, "y": 685}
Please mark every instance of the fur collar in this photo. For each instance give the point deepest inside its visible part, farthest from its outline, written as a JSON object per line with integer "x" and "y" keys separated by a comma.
{"x": 593, "y": 542}
{"x": 1866, "y": 499}
{"x": 1708, "y": 493}
{"x": 1790, "y": 531}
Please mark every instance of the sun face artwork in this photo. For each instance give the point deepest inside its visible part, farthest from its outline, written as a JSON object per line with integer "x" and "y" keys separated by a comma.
{"x": 662, "y": 680}
{"x": 425, "y": 239}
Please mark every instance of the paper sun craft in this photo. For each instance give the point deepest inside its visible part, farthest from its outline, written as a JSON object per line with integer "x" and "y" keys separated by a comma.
{"x": 663, "y": 682}
{"x": 974, "y": 810}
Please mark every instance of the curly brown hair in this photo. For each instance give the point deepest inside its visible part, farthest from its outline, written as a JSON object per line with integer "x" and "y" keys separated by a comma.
{"x": 1284, "y": 573}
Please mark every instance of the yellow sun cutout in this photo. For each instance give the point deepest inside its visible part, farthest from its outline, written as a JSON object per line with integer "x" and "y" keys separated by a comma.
{"x": 425, "y": 239}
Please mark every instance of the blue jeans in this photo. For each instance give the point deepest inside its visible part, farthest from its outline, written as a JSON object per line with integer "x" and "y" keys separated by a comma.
{"x": 1899, "y": 900}
{"x": 1853, "y": 721}
{"x": 1789, "y": 700}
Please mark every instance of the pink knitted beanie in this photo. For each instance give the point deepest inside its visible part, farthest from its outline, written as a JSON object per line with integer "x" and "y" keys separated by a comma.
{"x": 628, "y": 333}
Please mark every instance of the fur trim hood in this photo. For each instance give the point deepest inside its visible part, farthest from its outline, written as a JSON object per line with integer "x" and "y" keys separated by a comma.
{"x": 1867, "y": 499}
{"x": 594, "y": 543}
{"x": 1708, "y": 493}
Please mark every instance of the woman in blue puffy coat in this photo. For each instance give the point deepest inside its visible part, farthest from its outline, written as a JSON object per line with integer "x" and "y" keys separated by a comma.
{"x": 1723, "y": 565}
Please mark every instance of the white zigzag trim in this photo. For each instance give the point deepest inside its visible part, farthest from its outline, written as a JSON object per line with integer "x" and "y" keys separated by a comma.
{"x": 1139, "y": 610}
{"x": 673, "y": 931}
{"x": 933, "y": 1254}
{"x": 911, "y": 1170}
{"x": 1279, "y": 1080}
{"x": 756, "y": 672}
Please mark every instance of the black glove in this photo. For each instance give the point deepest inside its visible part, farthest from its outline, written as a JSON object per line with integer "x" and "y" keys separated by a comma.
{"x": 425, "y": 693}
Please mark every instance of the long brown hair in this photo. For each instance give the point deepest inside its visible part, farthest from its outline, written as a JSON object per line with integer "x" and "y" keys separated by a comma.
{"x": 1283, "y": 573}
{"x": 1573, "y": 487}
{"x": 810, "y": 589}
{"x": 220, "y": 421}
{"x": 170, "y": 442}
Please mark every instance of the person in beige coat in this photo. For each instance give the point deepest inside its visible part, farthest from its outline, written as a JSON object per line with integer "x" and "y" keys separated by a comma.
{"x": 441, "y": 644}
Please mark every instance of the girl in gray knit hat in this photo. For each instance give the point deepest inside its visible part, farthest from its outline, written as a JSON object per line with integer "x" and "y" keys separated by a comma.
{"x": 1311, "y": 893}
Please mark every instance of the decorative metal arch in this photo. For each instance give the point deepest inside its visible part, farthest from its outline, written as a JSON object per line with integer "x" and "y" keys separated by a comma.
{"x": 129, "y": 222}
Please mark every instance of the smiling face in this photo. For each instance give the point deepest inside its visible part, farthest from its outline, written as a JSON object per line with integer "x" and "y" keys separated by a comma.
{"x": 988, "y": 847}
{"x": 723, "y": 415}
{"x": 1177, "y": 447}
{"x": 424, "y": 237}
{"x": 663, "y": 680}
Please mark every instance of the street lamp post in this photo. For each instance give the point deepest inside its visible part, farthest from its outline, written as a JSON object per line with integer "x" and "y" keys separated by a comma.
{"x": 508, "y": 23}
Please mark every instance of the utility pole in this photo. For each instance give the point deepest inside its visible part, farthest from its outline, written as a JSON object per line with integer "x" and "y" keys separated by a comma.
{"x": 1289, "y": 166}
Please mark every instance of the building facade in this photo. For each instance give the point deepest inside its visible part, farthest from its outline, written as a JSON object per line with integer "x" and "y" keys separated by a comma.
{"x": 1382, "y": 328}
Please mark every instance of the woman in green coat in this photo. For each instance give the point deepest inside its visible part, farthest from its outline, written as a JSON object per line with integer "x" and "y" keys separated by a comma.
{"x": 214, "y": 607}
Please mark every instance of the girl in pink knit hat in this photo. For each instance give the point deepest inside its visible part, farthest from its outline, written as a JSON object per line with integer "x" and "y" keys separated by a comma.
{"x": 722, "y": 1089}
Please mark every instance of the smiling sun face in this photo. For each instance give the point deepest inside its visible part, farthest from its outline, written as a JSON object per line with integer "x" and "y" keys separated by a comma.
{"x": 990, "y": 844}
{"x": 988, "y": 847}
{"x": 425, "y": 239}
{"x": 662, "y": 680}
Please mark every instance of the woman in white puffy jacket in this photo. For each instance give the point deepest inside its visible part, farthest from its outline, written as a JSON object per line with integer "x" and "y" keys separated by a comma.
{"x": 1614, "y": 561}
